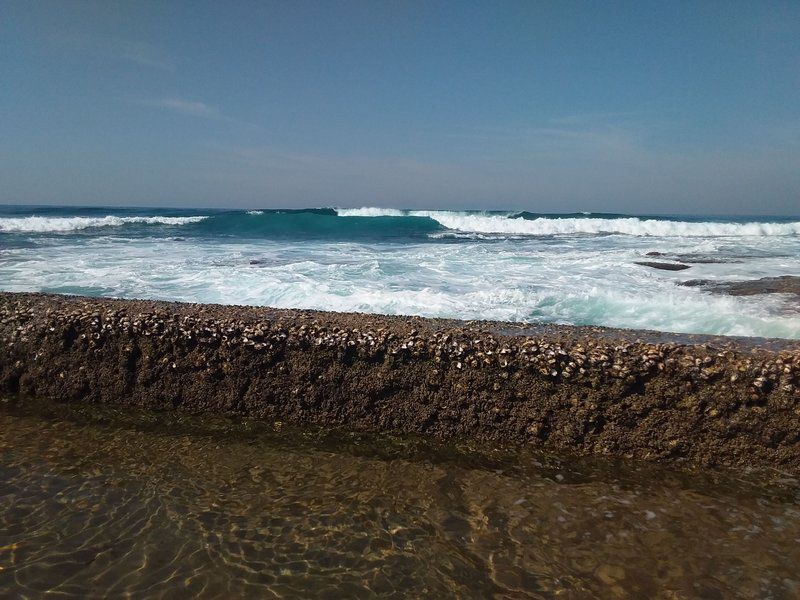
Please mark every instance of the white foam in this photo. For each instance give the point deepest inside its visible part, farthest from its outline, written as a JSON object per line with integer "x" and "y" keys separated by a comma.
{"x": 255, "y": 212}
{"x": 478, "y": 223}
{"x": 368, "y": 211}
{"x": 61, "y": 224}
{"x": 498, "y": 224}
{"x": 582, "y": 280}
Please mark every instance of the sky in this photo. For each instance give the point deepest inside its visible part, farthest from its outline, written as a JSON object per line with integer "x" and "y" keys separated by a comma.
{"x": 636, "y": 107}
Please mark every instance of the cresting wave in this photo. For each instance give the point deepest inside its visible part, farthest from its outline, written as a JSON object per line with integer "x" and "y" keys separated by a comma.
{"x": 61, "y": 224}
{"x": 626, "y": 226}
{"x": 368, "y": 211}
{"x": 375, "y": 222}
{"x": 529, "y": 224}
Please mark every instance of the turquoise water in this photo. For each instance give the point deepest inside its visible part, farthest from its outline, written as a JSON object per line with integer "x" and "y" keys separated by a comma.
{"x": 520, "y": 266}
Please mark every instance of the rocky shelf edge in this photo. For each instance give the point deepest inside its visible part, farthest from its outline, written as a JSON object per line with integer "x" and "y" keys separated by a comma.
{"x": 588, "y": 390}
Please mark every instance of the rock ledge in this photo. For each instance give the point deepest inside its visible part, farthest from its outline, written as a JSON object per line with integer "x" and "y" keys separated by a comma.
{"x": 585, "y": 389}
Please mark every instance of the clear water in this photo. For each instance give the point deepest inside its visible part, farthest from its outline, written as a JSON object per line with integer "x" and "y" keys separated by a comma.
{"x": 575, "y": 269}
{"x": 97, "y": 502}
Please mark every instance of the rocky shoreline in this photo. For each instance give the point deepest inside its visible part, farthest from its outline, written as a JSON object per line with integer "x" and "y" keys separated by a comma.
{"x": 589, "y": 390}
{"x": 786, "y": 284}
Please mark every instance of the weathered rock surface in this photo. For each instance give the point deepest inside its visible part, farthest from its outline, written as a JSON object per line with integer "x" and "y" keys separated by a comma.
{"x": 585, "y": 389}
{"x": 662, "y": 265}
{"x": 786, "y": 284}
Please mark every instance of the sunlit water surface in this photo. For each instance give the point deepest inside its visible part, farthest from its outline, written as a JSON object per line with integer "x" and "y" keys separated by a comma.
{"x": 107, "y": 503}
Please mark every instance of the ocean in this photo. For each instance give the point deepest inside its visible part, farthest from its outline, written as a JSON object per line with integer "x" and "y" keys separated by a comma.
{"x": 515, "y": 266}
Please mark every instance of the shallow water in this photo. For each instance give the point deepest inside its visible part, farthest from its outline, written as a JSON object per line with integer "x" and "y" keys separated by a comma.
{"x": 98, "y": 502}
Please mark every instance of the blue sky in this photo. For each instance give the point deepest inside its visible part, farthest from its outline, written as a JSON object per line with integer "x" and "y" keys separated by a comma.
{"x": 662, "y": 107}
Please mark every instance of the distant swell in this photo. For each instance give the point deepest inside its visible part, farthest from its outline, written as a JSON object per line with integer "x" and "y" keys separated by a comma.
{"x": 314, "y": 224}
{"x": 62, "y": 224}
{"x": 523, "y": 224}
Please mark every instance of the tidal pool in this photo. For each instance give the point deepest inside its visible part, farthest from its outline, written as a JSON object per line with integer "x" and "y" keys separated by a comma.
{"x": 101, "y": 502}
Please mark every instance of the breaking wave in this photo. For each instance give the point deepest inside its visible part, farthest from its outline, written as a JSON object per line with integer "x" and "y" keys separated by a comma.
{"x": 377, "y": 222}
{"x": 64, "y": 224}
{"x": 538, "y": 225}
{"x": 370, "y": 212}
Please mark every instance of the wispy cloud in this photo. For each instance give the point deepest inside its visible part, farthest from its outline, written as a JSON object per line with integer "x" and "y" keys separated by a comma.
{"x": 553, "y": 139}
{"x": 550, "y": 168}
{"x": 138, "y": 52}
{"x": 607, "y": 118}
{"x": 143, "y": 54}
{"x": 191, "y": 108}
{"x": 593, "y": 140}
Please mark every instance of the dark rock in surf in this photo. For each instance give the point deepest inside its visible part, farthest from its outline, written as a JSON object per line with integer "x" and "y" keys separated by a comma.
{"x": 785, "y": 284}
{"x": 663, "y": 266}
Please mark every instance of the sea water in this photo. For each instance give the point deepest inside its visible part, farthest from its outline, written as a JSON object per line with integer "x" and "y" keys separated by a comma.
{"x": 518, "y": 266}
{"x": 99, "y": 502}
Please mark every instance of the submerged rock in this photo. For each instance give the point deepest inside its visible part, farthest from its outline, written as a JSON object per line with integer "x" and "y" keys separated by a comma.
{"x": 785, "y": 284}
{"x": 695, "y": 259}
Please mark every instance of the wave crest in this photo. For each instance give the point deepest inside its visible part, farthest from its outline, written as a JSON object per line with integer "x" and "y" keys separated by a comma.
{"x": 627, "y": 226}
{"x": 525, "y": 224}
{"x": 368, "y": 211}
{"x": 62, "y": 224}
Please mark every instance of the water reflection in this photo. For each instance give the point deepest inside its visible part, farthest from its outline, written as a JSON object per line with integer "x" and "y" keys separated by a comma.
{"x": 103, "y": 502}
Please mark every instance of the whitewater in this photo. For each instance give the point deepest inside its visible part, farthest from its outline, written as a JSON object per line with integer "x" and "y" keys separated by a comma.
{"x": 501, "y": 265}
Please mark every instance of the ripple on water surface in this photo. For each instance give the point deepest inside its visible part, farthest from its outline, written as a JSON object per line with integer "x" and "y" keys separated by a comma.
{"x": 99, "y": 502}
